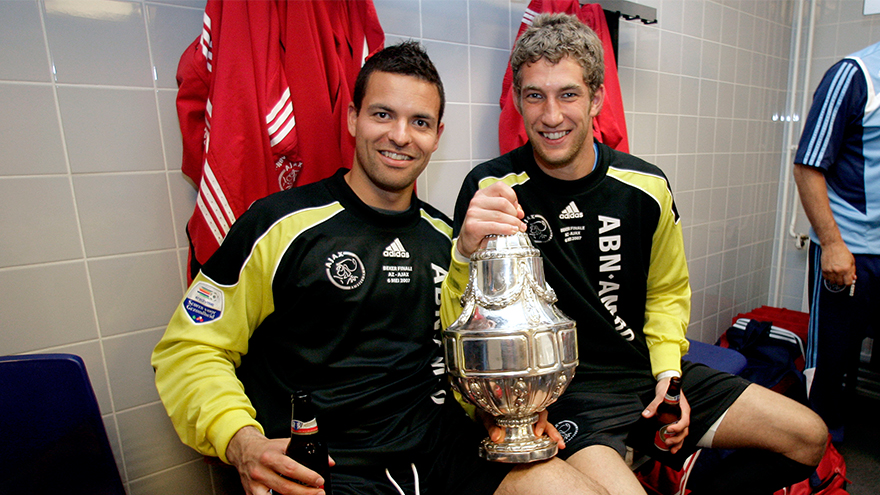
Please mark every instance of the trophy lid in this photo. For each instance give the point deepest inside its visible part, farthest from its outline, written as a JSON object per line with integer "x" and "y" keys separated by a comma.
{"x": 506, "y": 246}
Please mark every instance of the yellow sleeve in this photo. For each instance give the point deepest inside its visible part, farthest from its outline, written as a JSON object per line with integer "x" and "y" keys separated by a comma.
{"x": 453, "y": 288}
{"x": 450, "y": 308}
{"x": 195, "y": 365}
{"x": 668, "y": 306}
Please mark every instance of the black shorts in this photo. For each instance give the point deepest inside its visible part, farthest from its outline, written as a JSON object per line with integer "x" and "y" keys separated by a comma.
{"x": 452, "y": 466}
{"x": 615, "y": 419}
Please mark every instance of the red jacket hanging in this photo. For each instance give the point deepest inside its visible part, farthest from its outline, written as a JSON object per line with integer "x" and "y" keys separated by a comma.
{"x": 609, "y": 126}
{"x": 262, "y": 103}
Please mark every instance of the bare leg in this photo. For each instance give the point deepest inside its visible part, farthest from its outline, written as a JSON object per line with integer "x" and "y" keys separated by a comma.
{"x": 607, "y": 467}
{"x": 553, "y": 477}
{"x": 778, "y": 442}
{"x": 763, "y": 419}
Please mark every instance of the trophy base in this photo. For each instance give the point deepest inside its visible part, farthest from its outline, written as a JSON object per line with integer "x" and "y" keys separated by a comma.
{"x": 537, "y": 449}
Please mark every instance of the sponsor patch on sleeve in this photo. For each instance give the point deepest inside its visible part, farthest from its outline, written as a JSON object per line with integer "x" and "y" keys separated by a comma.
{"x": 203, "y": 303}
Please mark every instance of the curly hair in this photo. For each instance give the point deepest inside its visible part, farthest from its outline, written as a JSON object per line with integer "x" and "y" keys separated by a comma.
{"x": 553, "y": 37}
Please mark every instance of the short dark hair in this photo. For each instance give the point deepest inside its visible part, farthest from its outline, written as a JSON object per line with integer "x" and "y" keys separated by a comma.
{"x": 407, "y": 58}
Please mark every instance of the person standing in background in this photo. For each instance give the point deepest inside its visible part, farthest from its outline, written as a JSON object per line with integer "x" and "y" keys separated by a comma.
{"x": 837, "y": 171}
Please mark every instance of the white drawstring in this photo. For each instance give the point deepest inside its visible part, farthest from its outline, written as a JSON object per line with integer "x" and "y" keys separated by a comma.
{"x": 400, "y": 490}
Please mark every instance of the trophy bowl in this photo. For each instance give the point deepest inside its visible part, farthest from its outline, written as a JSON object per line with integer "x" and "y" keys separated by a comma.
{"x": 511, "y": 352}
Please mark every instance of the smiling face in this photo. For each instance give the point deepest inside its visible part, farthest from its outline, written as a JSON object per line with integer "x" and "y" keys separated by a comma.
{"x": 396, "y": 131}
{"x": 558, "y": 111}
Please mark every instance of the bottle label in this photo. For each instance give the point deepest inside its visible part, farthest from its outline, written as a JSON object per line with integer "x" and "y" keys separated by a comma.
{"x": 298, "y": 427}
{"x": 660, "y": 439}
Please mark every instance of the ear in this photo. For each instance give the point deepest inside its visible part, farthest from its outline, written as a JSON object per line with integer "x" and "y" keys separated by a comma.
{"x": 437, "y": 139}
{"x": 352, "y": 119}
{"x": 597, "y": 100}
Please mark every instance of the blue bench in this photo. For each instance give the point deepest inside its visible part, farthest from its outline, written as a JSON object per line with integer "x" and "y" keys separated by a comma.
{"x": 719, "y": 358}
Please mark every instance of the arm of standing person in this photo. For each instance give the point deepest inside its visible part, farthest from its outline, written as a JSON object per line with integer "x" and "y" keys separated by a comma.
{"x": 834, "y": 119}
{"x": 838, "y": 263}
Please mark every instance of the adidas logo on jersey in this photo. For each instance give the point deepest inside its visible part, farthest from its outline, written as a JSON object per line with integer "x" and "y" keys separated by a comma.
{"x": 395, "y": 250}
{"x": 571, "y": 211}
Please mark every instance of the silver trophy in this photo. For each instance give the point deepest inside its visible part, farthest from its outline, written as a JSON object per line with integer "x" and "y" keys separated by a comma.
{"x": 511, "y": 352}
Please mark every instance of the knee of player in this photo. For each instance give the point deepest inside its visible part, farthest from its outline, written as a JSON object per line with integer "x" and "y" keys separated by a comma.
{"x": 813, "y": 438}
{"x": 820, "y": 440}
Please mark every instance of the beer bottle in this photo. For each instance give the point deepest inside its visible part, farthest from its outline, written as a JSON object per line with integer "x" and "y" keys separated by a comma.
{"x": 668, "y": 412}
{"x": 306, "y": 445}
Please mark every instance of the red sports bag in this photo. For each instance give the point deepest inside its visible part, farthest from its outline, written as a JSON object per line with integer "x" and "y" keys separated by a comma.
{"x": 828, "y": 479}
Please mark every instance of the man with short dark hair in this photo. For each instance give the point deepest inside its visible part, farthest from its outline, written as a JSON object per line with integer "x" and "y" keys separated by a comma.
{"x": 332, "y": 288}
{"x": 610, "y": 237}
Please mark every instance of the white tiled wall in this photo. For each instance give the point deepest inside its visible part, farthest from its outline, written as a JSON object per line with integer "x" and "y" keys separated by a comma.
{"x": 93, "y": 205}
{"x": 700, "y": 89}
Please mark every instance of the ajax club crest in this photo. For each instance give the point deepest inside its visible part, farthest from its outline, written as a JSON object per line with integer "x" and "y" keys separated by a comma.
{"x": 538, "y": 229}
{"x": 345, "y": 270}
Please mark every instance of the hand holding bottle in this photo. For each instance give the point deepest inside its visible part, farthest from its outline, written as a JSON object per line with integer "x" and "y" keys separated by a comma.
{"x": 663, "y": 408}
{"x": 263, "y": 465}
{"x": 306, "y": 445}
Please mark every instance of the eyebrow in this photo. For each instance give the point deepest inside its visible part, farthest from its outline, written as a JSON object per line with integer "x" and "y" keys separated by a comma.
{"x": 569, "y": 87}
{"x": 380, "y": 107}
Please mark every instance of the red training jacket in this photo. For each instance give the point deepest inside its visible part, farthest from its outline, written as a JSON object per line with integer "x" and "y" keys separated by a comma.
{"x": 262, "y": 102}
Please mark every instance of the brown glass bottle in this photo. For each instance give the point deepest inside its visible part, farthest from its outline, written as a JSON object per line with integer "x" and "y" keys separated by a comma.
{"x": 306, "y": 445}
{"x": 668, "y": 412}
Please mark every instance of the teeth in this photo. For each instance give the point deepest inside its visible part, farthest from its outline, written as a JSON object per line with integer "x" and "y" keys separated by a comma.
{"x": 555, "y": 135}
{"x": 395, "y": 156}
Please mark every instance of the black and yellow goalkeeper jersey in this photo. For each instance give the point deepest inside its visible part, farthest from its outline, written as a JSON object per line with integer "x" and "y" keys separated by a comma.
{"x": 612, "y": 250}
{"x": 313, "y": 289}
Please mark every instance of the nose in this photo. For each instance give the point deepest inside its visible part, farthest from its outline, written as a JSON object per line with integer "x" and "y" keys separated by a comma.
{"x": 552, "y": 114}
{"x": 399, "y": 134}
